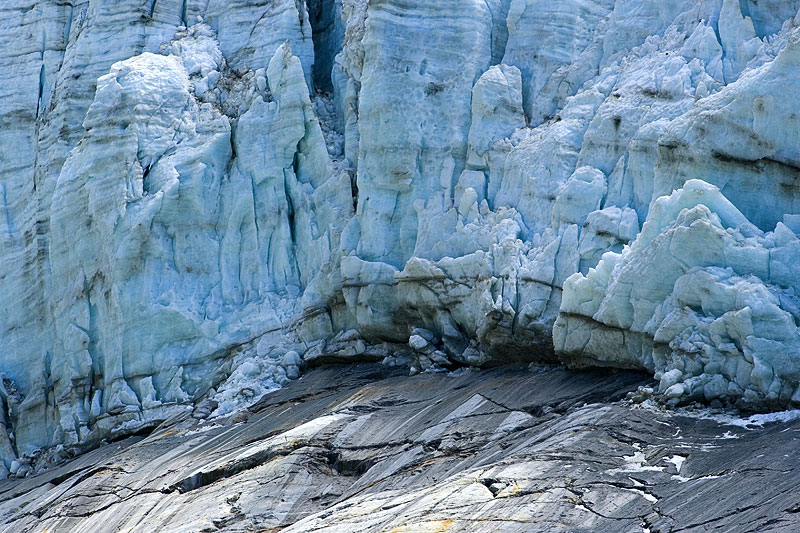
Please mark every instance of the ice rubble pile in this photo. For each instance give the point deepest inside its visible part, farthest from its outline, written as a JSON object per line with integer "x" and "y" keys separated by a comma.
{"x": 199, "y": 198}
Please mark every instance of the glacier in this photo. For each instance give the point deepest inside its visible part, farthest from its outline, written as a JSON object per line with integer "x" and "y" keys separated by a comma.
{"x": 198, "y": 200}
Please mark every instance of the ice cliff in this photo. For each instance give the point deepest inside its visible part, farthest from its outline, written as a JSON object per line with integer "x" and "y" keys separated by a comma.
{"x": 200, "y": 198}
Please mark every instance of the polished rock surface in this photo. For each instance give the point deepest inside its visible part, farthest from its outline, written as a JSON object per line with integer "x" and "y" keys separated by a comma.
{"x": 366, "y": 448}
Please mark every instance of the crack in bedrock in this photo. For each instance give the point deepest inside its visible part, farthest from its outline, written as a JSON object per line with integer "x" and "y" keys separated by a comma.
{"x": 205, "y": 477}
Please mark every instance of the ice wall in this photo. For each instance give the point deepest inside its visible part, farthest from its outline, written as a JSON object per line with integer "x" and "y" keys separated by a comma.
{"x": 197, "y": 199}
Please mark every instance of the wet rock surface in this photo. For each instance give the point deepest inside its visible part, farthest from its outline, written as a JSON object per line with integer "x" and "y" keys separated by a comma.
{"x": 367, "y": 448}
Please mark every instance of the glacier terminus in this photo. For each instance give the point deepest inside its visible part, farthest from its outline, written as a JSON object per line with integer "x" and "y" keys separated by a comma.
{"x": 201, "y": 200}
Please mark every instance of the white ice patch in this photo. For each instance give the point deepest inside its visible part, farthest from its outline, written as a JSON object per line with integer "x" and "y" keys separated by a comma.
{"x": 678, "y": 461}
{"x": 751, "y": 422}
{"x": 635, "y": 463}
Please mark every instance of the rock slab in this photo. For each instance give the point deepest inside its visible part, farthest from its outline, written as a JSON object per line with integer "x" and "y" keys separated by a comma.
{"x": 363, "y": 448}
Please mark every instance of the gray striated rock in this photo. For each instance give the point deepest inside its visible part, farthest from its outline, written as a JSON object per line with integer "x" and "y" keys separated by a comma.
{"x": 364, "y": 448}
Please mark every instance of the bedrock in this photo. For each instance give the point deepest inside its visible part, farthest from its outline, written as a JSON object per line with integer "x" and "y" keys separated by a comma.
{"x": 200, "y": 199}
{"x": 373, "y": 450}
